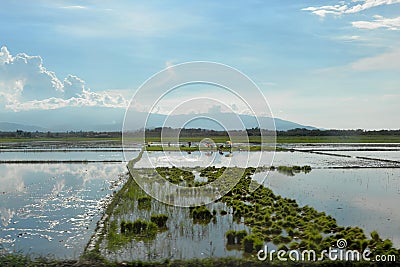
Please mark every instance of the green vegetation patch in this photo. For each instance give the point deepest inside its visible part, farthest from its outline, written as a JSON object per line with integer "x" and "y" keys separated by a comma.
{"x": 144, "y": 202}
{"x": 140, "y": 228}
{"x": 283, "y": 222}
{"x": 269, "y": 217}
{"x": 175, "y": 175}
{"x": 235, "y": 237}
{"x": 160, "y": 220}
{"x": 201, "y": 214}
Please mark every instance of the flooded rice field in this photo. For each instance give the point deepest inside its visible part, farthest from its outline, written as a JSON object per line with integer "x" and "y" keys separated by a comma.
{"x": 52, "y": 209}
{"x": 73, "y": 155}
{"x": 367, "y": 197}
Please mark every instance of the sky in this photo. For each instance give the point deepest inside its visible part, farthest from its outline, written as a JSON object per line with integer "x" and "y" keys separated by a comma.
{"x": 329, "y": 64}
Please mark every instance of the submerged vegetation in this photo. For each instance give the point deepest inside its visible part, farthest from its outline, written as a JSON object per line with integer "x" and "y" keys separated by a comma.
{"x": 17, "y": 260}
{"x": 285, "y": 223}
{"x": 133, "y": 216}
{"x": 235, "y": 237}
{"x": 201, "y": 214}
{"x": 175, "y": 175}
{"x": 144, "y": 202}
{"x": 160, "y": 220}
{"x": 269, "y": 218}
{"x": 139, "y": 228}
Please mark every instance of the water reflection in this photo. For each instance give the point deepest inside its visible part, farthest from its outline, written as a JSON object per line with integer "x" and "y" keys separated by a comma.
{"x": 182, "y": 239}
{"x": 366, "y": 197}
{"x": 104, "y": 154}
{"x": 53, "y": 208}
{"x": 6, "y": 215}
{"x": 245, "y": 159}
{"x": 357, "y": 197}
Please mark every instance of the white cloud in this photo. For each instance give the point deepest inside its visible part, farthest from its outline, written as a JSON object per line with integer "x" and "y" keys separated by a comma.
{"x": 5, "y": 56}
{"x": 195, "y": 101}
{"x": 26, "y": 84}
{"x": 379, "y": 22}
{"x": 322, "y": 11}
{"x": 386, "y": 61}
{"x": 369, "y": 4}
{"x": 73, "y": 86}
{"x": 350, "y": 8}
{"x": 74, "y": 7}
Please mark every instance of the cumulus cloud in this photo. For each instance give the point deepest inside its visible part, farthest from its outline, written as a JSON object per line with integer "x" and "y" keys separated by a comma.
{"x": 26, "y": 84}
{"x": 378, "y": 22}
{"x": 348, "y": 8}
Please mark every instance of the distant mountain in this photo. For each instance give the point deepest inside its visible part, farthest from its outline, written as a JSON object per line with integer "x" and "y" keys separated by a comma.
{"x": 231, "y": 121}
{"x": 111, "y": 119}
{"x": 69, "y": 119}
{"x": 12, "y": 127}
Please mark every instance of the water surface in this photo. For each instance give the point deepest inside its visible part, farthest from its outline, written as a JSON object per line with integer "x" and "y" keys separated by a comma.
{"x": 53, "y": 208}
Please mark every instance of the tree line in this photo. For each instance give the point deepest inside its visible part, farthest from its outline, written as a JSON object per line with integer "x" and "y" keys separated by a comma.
{"x": 156, "y": 132}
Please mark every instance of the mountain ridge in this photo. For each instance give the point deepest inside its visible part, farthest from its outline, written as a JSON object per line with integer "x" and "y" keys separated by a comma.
{"x": 12, "y": 127}
{"x": 111, "y": 119}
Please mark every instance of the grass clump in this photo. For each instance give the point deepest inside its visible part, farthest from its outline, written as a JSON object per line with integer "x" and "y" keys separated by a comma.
{"x": 235, "y": 237}
{"x": 201, "y": 214}
{"x": 160, "y": 220}
{"x": 139, "y": 228}
{"x": 252, "y": 243}
{"x": 282, "y": 221}
{"x": 230, "y": 236}
{"x": 144, "y": 203}
{"x": 175, "y": 175}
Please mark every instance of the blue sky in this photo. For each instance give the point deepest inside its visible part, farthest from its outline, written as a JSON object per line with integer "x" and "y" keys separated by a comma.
{"x": 331, "y": 64}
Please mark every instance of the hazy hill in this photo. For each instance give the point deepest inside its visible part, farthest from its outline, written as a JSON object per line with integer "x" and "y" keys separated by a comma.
{"x": 12, "y": 127}
{"x": 111, "y": 119}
